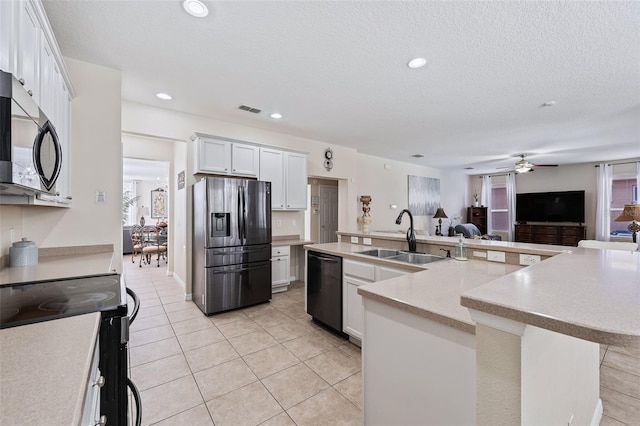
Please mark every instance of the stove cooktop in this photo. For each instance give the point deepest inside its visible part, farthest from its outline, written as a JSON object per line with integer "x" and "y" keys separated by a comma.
{"x": 31, "y": 302}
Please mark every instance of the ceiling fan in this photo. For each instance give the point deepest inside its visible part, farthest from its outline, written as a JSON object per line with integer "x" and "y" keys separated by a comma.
{"x": 524, "y": 166}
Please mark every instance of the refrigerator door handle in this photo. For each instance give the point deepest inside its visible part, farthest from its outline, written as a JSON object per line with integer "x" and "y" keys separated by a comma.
{"x": 217, "y": 253}
{"x": 244, "y": 216}
{"x": 239, "y": 212}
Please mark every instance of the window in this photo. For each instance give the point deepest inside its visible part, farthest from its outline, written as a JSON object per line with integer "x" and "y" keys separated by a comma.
{"x": 624, "y": 190}
{"x": 499, "y": 208}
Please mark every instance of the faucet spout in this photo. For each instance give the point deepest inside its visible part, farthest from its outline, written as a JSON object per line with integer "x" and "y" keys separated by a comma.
{"x": 411, "y": 236}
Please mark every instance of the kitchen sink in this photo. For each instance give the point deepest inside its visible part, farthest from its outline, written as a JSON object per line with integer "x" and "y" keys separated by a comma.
{"x": 385, "y": 253}
{"x": 402, "y": 256}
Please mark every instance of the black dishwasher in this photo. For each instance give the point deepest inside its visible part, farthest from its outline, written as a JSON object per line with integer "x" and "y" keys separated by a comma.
{"x": 324, "y": 289}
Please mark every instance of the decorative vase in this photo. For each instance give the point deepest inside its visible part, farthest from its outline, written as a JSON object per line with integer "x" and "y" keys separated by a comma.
{"x": 365, "y": 220}
{"x": 451, "y": 232}
{"x": 476, "y": 204}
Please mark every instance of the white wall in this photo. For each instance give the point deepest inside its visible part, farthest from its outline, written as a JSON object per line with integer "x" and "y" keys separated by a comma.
{"x": 96, "y": 165}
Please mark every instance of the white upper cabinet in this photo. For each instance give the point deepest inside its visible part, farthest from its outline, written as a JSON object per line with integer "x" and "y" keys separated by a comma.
{"x": 295, "y": 180}
{"x": 245, "y": 160}
{"x": 272, "y": 170}
{"x": 28, "y": 52}
{"x": 212, "y": 156}
{"x": 6, "y": 35}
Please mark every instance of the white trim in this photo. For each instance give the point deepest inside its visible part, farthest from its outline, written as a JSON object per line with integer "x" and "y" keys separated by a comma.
{"x": 597, "y": 414}
{"x": 499, "y": 323}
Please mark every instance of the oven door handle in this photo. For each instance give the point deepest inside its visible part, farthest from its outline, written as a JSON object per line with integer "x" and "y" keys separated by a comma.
{"x": 136, "y": 305}
{"x": 138, "y": 401}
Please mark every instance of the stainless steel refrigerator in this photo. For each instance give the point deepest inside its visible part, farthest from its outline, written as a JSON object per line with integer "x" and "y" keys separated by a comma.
{"x": 231, "y": 243}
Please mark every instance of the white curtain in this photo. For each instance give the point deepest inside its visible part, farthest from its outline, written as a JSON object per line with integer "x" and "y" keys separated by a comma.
{"x": 637, "y": 200}
{"x": 485, "y": 200}
{"x": 603, "y": 202}
{"x": 511, "y": 204}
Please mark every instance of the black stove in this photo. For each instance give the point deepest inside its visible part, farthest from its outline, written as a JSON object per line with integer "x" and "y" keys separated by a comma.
{"x": 36, "y": 301}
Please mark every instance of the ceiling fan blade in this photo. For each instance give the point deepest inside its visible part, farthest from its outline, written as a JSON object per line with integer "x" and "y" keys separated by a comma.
{"x": 545, "y": 165}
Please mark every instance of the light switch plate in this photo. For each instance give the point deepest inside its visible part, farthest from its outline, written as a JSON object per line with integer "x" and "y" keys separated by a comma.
{"x": 479, "y": 254}
{"x": 529, "y": 259}
{"x": 354, "y": 240}
{"x": 495, "y": 256}
{"x": 366, "y": 241}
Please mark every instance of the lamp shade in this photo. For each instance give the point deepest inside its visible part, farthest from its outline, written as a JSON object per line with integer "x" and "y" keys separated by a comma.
{"x": 143, "y": 211}
{"x": 440, "y": 214}
{"x": 630, "y": 213}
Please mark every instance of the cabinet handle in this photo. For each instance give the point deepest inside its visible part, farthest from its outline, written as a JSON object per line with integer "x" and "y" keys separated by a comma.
{"x": 233, "y": 170}
{"x": 102, "y": 421}
{"x": 21, "y": 81}
{"x": 30, "y": 92}
{"x": 100, "y": 381}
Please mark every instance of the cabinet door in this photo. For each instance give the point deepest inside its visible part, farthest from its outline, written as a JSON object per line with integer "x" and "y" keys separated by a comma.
{"x": 272, "y": 170}
{"x": 213, "y": 156}
{"x": 384, "y": 273}
{"x": 245, "y": 160}
{"x": 296, "y": 181}
{"x": 48, "y": 82}
{"x": 6, "y": 36}
{"x": 353, "y": 309}
{"x": 27, "y": 54}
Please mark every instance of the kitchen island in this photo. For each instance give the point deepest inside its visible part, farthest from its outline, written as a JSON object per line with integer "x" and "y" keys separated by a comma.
{"x": 425, "y": 365}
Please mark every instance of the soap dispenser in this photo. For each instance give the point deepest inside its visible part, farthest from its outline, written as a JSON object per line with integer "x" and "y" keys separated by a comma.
{"x": 461, "y": 251}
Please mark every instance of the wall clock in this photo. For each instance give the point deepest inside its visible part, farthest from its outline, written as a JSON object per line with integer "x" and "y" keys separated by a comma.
{"x": 328, "y": 162}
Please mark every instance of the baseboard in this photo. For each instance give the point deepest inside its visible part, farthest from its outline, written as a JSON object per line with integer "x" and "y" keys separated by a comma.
{"x": 597, "y": 414}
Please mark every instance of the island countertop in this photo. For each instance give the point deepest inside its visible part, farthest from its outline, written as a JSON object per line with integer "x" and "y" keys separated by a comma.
{"x": 44, "y": 370}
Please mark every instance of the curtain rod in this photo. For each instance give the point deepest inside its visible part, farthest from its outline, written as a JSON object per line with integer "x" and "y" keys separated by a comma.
{"x": 616, "y": 164}
{"x": 501, "y": 174}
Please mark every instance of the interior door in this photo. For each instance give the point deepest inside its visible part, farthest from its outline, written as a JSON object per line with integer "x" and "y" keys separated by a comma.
{"x": 328, "y": 213}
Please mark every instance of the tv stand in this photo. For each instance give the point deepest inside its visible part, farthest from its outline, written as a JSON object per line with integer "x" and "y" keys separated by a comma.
{"x": 563, "y": 235}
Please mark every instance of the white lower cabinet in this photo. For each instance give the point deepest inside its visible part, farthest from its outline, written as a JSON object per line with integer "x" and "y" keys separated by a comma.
{"x": 356, "y": 274}
{"x": 91, "y": 410}
{"x": 280, "y": 261}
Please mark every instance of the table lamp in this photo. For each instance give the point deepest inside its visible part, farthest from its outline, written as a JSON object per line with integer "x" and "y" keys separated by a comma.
{"x": 142, "y": 212}
{"x": 440, "y": 214}
{"x": 631, "y": 212}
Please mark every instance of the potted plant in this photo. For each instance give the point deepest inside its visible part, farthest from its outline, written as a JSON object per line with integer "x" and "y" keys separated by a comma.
{"x": 127, "y": 202}
{"x": 476, "y": 199}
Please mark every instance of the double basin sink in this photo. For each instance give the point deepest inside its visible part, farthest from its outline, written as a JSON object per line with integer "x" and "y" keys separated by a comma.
{"x": 402, "y": 256}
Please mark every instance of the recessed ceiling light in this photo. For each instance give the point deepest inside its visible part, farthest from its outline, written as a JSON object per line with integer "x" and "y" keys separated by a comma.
{"x": 164, "y": 96}
{"x": 276, "y": 115}
{"x": 417, "y": 63}
{"x": 417, "y": 155}
{"x": 195, "y": 8}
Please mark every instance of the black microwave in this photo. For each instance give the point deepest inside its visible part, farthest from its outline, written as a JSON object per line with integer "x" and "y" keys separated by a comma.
{"x": 30, "y": 152}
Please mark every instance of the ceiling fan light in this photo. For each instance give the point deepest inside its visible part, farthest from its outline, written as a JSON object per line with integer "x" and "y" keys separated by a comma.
{"x": 195, "y": 8}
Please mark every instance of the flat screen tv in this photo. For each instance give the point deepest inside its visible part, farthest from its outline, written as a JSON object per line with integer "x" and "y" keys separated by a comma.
{"x": 565, "y": 206}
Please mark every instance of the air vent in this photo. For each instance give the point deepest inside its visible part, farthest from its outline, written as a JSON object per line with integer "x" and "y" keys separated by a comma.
{"x": 250, "y": 109}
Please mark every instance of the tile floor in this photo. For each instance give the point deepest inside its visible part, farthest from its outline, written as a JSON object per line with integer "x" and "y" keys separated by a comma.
{"x": 269, "y": 364}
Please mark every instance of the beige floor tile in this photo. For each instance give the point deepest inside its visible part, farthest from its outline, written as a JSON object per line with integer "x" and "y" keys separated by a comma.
{"x": 270, "y": 318}
{"x": 196, "y": 416}
{"x": 227, "y": 317}
{"x": 177, "y": 306}
{"x": 271, "y": 360}
{"x": 200, "y": 338}
{"x": 281, "y": 300}
{"x": 620, "y": 407}
{"x": 161, "y": 371}
{"x": 286, "y": 331}
{"x": 149, "y": 302}
{"x": 621, "y": 381}
{"x": 150, "y": 311}
{"x": 296, "y": 311}
{"x": 147, "y": 293}
{"x": 238, "y": 328}
{"x": 224, "y": 378}
{"x": 293, "y": 385}
{"x": 149, "y": 322}
{"x": 169, "y": 399}
{"x": 249, "y": 405}
{"x": 334, "y": 366}
{"x": 210, "y": 355}
{"x": 352, "y": 350}
{"x": 252, "y": 342}
{"x": 173, "y": 298}
{"x": 281, "y": 419}
{"x": 326, "y": 408}
{"x": 351, "y": 388}
{"x": 154, "y": 351}
{"x": 189, "y": 326}
{"x": 623, "y": 362}
{"x": 308, "y": 346}
{"x": 262, "y": 308}
{"x": 149, "y": 335}
{"x": 185, "y": 314}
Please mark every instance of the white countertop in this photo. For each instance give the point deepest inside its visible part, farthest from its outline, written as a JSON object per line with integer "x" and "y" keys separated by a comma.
{"x": 44, "y": 370}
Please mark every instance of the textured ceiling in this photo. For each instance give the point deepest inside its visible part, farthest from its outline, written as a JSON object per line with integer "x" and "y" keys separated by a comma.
{"x": 337, "y": 72}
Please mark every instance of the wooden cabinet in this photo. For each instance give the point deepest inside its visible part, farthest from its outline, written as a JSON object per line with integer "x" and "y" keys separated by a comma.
{"x": 565, "y": 235}
{"x": 356, "y": 274}
{"x": 478, "y": 216}
{"x": 287, "y": 172}
{"x": 280, "y": 265}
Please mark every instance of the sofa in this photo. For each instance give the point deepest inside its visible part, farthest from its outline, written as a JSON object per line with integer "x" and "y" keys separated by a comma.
{"x": 469, "y": 230}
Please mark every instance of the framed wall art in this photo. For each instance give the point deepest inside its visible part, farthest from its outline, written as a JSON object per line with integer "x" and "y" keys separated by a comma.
{"x": 424, "y": 195}
{"x": 158, "y": 204}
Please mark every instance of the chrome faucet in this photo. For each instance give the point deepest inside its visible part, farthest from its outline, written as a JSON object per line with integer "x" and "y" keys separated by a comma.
{"x": 411, "y": 236}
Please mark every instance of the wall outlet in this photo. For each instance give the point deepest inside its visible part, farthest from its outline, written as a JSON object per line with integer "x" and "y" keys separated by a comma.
{"x": 479, "y": 254}
{"x": 354, "y": 240}
{"x": 495, "y": 256}
{"x": 278, "y": 222}
{"x": 529, "y": 259}
{"x": 293, "y": 222}
{"x": 12, "y": 234}
{"x": 366, "y": 241}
